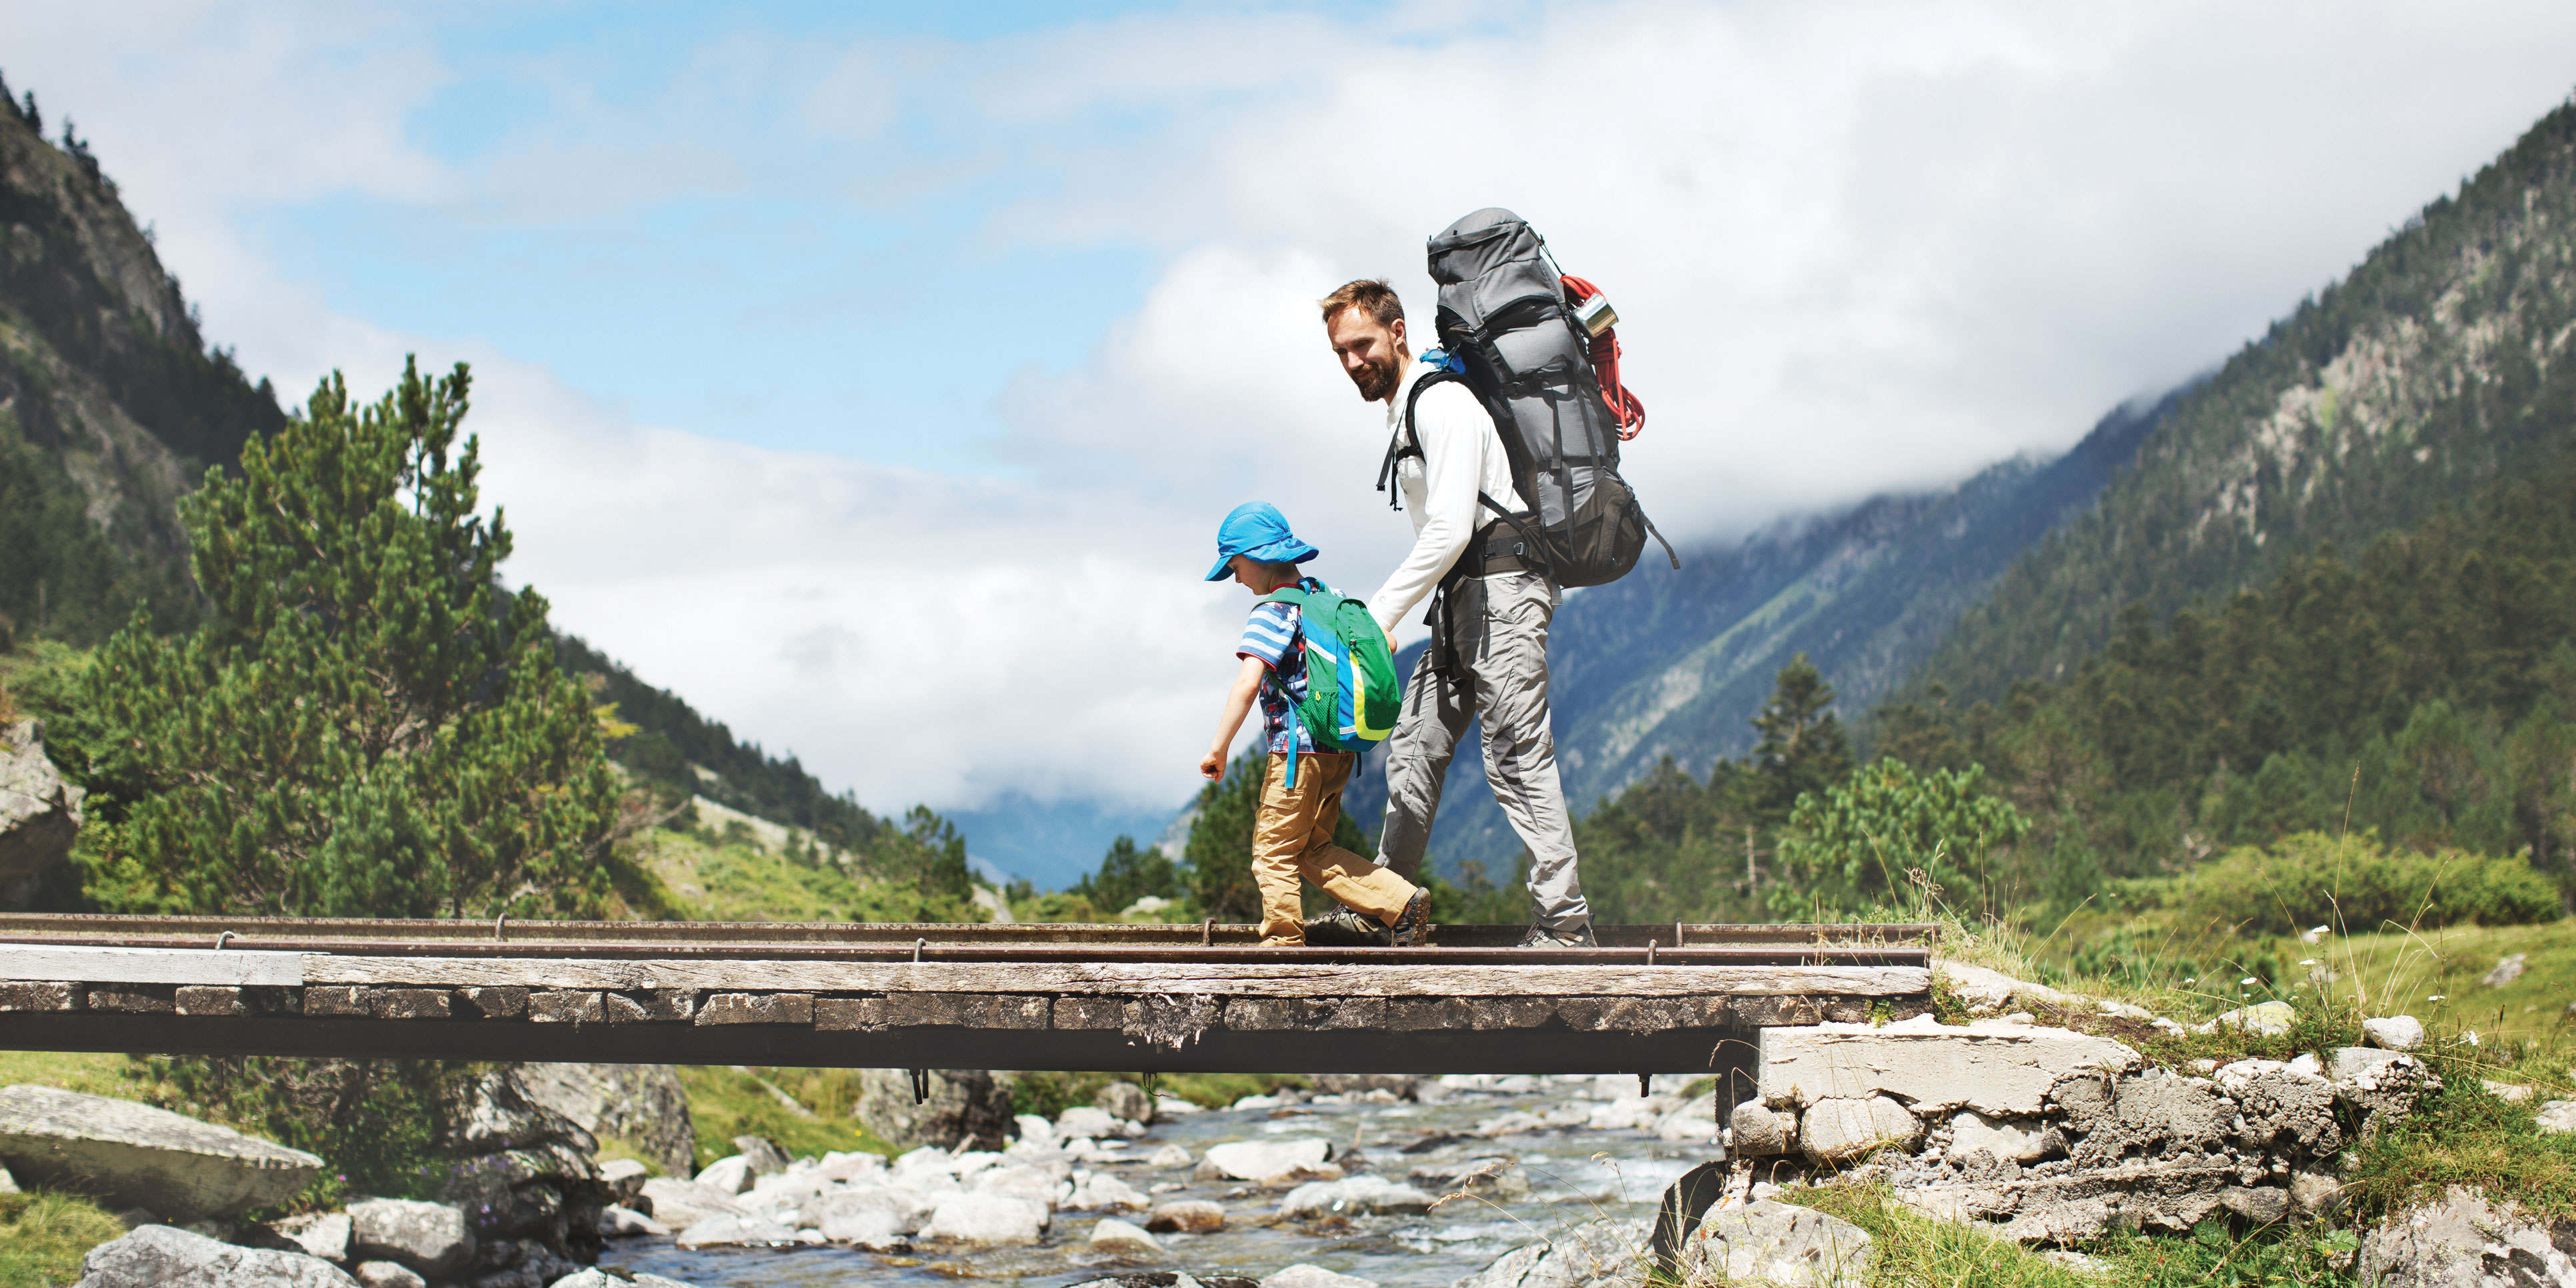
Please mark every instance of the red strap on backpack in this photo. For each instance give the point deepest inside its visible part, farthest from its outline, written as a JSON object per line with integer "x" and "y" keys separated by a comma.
{"x": 1624, "y": 405}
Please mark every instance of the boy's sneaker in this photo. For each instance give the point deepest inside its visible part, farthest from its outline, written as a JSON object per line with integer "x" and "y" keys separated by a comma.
{"x": 1413, "y": 923}
{"x": 1343, "y": 928}
{"x": 1543, "y": 937}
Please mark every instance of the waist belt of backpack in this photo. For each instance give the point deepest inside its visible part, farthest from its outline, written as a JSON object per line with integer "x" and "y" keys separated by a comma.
{"x": 1496, "y": 547}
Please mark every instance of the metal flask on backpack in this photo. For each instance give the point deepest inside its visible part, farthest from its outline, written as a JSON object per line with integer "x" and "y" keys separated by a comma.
{"x": 1528, "y": 359}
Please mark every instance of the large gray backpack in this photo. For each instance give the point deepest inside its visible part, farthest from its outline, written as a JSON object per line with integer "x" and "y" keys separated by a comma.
{"x": 1512, "y": 336}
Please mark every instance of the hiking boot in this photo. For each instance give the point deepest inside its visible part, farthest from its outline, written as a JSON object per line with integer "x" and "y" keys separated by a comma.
{"x": 1560, "y": 937}
{"x": 1343, "y": 928}
{"x": 1412, "y": 924}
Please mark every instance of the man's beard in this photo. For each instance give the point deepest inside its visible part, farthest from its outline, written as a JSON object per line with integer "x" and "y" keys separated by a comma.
{"x": 1377, "y": 379}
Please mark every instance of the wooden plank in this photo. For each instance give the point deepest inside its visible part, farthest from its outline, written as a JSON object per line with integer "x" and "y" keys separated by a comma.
{"x": 234, "y": 966}
{"x": 1127, "y": 978}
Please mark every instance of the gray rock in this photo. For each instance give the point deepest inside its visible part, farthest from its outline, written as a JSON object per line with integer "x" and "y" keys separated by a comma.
{"x": 159, "y": 1256}
{"x": 1119, "y": 1238}
{"x": 1169, "y": 1156}
{"x": 2381, "y": 1082}
{"x": 1094, "y": 1123}
{"x": 2281, "y": 1107}
{"x": 1984, "y": 991}
{"x": 39, "y": 812}
{"x": 1835, "y": 1128}
{"x": 1606, "y": 1253}
{"x": 1761, "y": 1132}
{"x": 2557, "y": 1116}
{"x": 2008, "y": 1140}
{"x": 1303, "y": 1275}
{"x": 8, "y": 1183}
{"x": 2270, "y": 1019}
{"x": 867, "y": 1213}
{"x": 131, "y": 1154}
{"x": 594, "y": 1277}
{"x": 681, "y": 1204}
{"x": 1126, "y": 1100}
{"x": 1770, "y": 1242}
{"x": 986, "y": 1218}
{"x": 319, "y": 1234}
{"x": 1373, "y": 1194}
{"x": 429, "y": 1237}
{"x": 730, "y": 1174}
{"x": 1186, "y": 1216}
{"x": 2315, "y": 1194}
{"x": 643, "y": 1105}
{"x": 765, "y": 1158}
{"x": 526, "y": 1172}
{"x": 2505, "y": 972}
{"x": 2464, "y": 1241}
{"x": 2003, "y": 1070}
{"x": 2158, "y": 1112}
{"x": 2394, "y": 1033}
{"x": 627, "y": 1223}
{"x": 624, "y": 1178}
{"x": 1484, "y": 1177}
{"x": 1101, "y": 1190}
{"x": 2261, "y": 1204}
{"x": 386, "y": 1274}
{"x": 964, "y": 1104}
{"x": 737, "y": 1232}
{"x": 1272, "y": 1162}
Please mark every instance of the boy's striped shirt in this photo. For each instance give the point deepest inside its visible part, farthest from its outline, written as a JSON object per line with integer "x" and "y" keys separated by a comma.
{"x": 1270, "y": 634}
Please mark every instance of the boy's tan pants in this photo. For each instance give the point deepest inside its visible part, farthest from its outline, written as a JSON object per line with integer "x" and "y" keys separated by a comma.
{"x": 1292, "y": 837}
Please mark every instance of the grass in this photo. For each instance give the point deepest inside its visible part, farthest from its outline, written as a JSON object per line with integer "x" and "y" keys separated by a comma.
{"x": 92, "y": 1073}
{"x": 44, "y": 1234}
{"x": 1916, "y": 1251}
{"x": 726, "y": 1101}
{"x": 730, "y": 874}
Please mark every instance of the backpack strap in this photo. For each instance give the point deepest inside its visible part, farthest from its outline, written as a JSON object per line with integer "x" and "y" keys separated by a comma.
{"x": 1297, "y": 597}
{"x": 1406, "y": 441}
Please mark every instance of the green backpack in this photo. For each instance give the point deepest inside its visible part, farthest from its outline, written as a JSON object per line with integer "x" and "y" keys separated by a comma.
{"x": 1352, "y": 692}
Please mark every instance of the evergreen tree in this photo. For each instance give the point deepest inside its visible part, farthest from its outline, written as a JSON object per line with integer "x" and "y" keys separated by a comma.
{"x": 1128, "y": 873}
{"x": 357, "y": 728}
{"x": 1803, "y": 748}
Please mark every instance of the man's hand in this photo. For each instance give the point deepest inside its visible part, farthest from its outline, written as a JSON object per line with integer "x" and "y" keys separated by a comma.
{"x": 1212, "y": 765}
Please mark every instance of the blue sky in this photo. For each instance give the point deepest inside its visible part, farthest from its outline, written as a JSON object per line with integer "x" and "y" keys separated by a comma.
{"x": 873, "y": 375}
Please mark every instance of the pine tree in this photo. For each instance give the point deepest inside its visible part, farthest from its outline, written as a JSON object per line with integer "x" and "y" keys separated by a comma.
{"x": 360, "y": 726}
{"x": 1803, "y": 748}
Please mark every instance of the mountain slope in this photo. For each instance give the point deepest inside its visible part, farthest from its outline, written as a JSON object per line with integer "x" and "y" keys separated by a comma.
{"x": 2438, "y": 365}
{"x": 1665, "y": 663}
{"x": 111, "y": 405}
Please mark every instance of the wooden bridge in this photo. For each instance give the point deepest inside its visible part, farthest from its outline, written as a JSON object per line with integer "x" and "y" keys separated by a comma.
{"x": 1650, "y": 999}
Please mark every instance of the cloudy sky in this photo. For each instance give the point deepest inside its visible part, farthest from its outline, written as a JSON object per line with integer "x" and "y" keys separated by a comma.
{"x": 874, "y": 375}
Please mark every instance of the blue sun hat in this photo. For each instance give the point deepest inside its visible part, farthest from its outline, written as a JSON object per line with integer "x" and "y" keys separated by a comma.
{"x": 1258, "y": 529}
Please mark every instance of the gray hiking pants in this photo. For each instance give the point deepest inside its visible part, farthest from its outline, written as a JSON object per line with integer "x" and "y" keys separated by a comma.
{"x": 1498, "y": 671}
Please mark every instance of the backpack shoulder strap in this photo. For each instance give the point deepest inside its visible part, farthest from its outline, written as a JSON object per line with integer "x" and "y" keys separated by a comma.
{"x": 1406, "y": 441}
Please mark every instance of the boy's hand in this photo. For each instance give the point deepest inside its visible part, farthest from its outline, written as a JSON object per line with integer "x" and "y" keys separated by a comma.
{"x": 1212, "y": 765}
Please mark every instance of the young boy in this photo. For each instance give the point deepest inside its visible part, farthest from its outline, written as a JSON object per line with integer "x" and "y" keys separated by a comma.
{"x": 1292, "y": 830}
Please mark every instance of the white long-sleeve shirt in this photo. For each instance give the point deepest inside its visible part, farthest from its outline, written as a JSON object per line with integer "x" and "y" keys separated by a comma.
{"x": 1460, "y": 454}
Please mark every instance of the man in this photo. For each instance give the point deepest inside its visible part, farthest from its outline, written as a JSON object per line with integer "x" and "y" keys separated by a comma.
{"x": 1496, "y": 619}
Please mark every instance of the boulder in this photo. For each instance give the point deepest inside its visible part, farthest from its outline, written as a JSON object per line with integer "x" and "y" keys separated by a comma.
{"x": 1186, "y": 1216}
{"x": 597, "y": 1278}
{"x": 764, "y": 1158}
{"x": 1403, "y": 1086}
{"x": 1118, "y": 1238}
{"x": 159, "y": 1256}
{"x": 737, "y": 1232}
{"x": 1839, "y": 1128}
{"x": 1605, "y": 1253}
{"x": 527, "y": 1173}
{"x": 964, "y": 1105}
{"x": 139, "y": 1156}
{"x": 319, "y": 1234}
{"x": 681, "y": 1204}
{"x": 1693, "y": 1121}
{"x": 859, "y": 1212}
{"x": 1101, "y": 1190}
{"x": 987, "y": 1218}
{"x": 2380, "y": 1082}
{"x": 1982, "y": 990}
{"x": 1303, "y": 1275}
{"x": 730, "y": 1174}
{"x": 2270, "y": 1019}
{"x": 1094, "y": 1123}
{"x": 643, "y": 1105}
{"x": 1168, "y": 1157}
{"x": 2505, "y": 972}
{"x": 627, "y": 1223}
{"x": 1271, "y": 1162}
{"x": 429, "y": 1237}
{"x": 2465, "y": 1241}
{"x": 1018, "y": 1179}
{"x": 2000, "y": 1070}
{"x": 1761, "y": 1132}
{"x": 2557, "y": 1116}
{"x": 39, "y": 812}
{"x": 1126, "y": 1100}
{"x": 2394, "y": 1032}
{"x": 1373, "y": 1194}
{"x": 386, "y": 1274}
{"x": 1771, "y": 1242}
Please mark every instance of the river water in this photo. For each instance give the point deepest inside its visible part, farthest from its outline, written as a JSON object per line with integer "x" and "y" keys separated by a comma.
{"x": 1574, "y": 1173}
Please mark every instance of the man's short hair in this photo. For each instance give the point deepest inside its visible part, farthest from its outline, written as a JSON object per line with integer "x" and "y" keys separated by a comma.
{"x": 1369, "y": 293}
